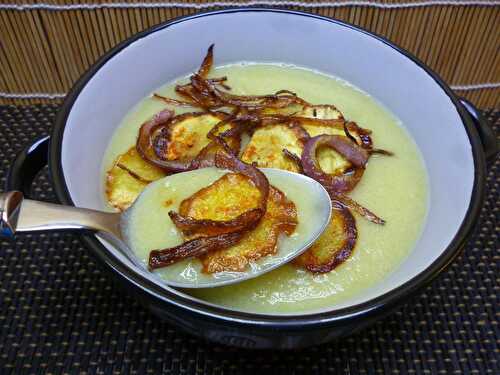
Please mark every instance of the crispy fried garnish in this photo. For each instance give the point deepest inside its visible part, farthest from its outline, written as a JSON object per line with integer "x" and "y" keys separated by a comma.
{"x": 187, "y": 134}
{"x": 292, "y": 109}
{"x": 360, "y": 135}
{"x": 138, "y": 167}
{"x": 317, "y": 129}
{"x": 334, "y": 246}
{"x": 266, "y": 147}
{"x": 230, "y": 196}
{"x": 267, "y": 143}
{"x": 128, "y": 177}
{"x": 225, "y": 199}
{"x": 330, "y": 160}
{"x": 122, "y": 188}
{"x": 280, "y": 217}
{"x": 327, "y": 119}
{"x": 320, "y": 112}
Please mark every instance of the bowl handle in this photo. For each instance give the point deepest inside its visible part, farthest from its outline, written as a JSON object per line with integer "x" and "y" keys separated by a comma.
{"x": 488, "y": 137}
{"x": 26, "y": 165}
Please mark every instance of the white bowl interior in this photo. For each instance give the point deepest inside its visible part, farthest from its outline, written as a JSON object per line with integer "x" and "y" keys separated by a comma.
{"x": 375, "y": 67}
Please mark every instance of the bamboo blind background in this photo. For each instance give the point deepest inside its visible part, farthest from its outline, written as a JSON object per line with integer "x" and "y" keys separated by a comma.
{"x": 45, "y": 51}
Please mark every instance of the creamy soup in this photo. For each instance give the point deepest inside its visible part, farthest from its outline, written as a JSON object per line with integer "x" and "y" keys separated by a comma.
{"x": 395, "y": 188}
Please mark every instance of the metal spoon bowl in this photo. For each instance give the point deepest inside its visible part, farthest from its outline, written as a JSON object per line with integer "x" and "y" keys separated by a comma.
{"x": 19, "y": 215}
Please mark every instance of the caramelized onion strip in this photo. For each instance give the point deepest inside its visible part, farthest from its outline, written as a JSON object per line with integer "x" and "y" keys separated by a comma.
{"x": 356, "y": 207}
{"x": 171, "y": 101}
{"x": 147, "y": 142}
{"x": 193, "y": 248}
{"x": 334, "y": 246}
{"x": 207, "y": 63}
{"x": 290, "y": 155}
{"x": 344, "y": 146}
{"x": 381, "y": 152}
{"x": 209, "y": 88}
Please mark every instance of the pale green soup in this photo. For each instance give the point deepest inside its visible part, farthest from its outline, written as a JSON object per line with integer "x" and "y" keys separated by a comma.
{"x": 395, "y": 188}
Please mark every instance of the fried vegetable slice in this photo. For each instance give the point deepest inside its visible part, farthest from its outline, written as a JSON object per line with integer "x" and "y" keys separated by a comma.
{"x": 315, "y": 120}
{"x": 132, "y": 162}
{"x": 187, "y": 134}
{"x": 351, "y": 152}
{"x": 360, "y": 135}
{"x": 122, "y": 188}
{"x": 267, "y": 143}
{"x": 320, "y": 112}
{"x": 227, "y": 198}
{"x": 327, "y": 119}
{"x": 280, "y": 217}
{"x": 331, "y": 161}
{"x": 289, "y": 110}
{"x": 128, "y": 177}
{"x": 334, "y": 246}
{"x": 244, "y": 221}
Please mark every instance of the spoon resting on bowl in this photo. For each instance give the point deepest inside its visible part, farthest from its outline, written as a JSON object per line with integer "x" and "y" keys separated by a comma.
{"x": 19, "y": 215}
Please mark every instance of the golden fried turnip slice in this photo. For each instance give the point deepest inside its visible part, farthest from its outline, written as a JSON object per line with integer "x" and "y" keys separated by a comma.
{"x": 138, "y": 167}
{"x": 267, "y": 144}
{"x": 334, "y": 246}
{"x": 122, "y": 188}
{"x": 225, "y": 199}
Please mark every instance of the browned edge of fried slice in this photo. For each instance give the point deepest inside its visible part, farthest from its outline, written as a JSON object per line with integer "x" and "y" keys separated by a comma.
{"x": 334, "y": 246}
{"x": 280, "y": 218}
{"x": 128, "y": 176}
{"x": 186, "y": 135}
{"x": 132, "y": 162}
{"x": 225, "y": 199}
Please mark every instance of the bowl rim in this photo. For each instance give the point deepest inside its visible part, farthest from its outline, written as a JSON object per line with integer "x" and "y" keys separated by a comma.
{"x": 363, "y": 310}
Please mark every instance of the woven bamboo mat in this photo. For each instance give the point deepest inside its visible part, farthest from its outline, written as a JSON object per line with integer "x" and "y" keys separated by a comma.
{"x": 46, "y": 45}
{"x": 60, "y": 314}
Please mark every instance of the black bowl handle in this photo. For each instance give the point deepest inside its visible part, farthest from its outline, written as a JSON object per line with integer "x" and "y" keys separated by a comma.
{"x": 26, "y": 165}
{"x": 488, "y": 137}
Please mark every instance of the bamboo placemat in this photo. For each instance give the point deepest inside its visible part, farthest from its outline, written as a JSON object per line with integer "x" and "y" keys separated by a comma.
{"x": 46, "y": 45}
{"x": 60, "y": 314}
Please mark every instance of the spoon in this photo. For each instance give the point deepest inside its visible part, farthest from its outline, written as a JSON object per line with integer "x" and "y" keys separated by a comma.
{"x": 19, "y": 215}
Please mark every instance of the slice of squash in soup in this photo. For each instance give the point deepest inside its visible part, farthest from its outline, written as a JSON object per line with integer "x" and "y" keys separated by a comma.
{"x": 327, "y": 119}
{"x": 286, "y": 111}
{"x": 138, "y": 167}
{"x": 187, "y": 134}
{"x": 334, "y": 246}
{"x": 122, "y": 188}
{"x": 267, "y": 143}
{"x": 128, "y": 177}
{"x": 225, "y": 199}
{"x": 266, "y": 147}
{"x": 320, "y": 112}
{"x": 331, "y": 161}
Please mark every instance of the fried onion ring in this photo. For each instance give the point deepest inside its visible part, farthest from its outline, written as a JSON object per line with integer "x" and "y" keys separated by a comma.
{"x": 353, "y": 153}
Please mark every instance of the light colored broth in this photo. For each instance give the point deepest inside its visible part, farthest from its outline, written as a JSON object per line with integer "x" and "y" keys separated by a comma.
{"x": 395, "y": 188}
